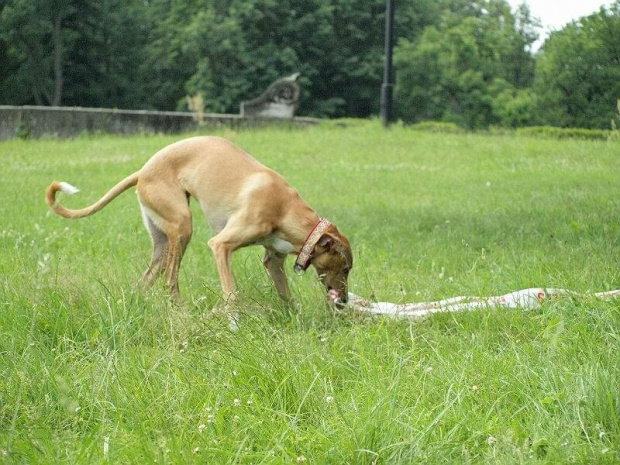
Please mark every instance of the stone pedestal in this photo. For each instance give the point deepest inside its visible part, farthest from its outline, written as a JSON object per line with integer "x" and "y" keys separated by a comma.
{"x": 278, "y": 101}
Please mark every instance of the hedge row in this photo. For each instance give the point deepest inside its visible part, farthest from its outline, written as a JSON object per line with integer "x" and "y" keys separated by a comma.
{"x": 565, "y": 133}
{"x": 533, "y": 131}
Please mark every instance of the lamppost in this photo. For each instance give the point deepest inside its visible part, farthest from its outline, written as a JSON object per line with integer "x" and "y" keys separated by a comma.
{"x": 387, "y": 88}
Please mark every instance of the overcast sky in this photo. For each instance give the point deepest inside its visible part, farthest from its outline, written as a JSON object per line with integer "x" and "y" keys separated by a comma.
{"x": 554, "y": 14}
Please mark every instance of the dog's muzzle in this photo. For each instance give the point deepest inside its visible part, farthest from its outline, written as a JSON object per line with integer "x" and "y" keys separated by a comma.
{"x": 334, "y": 298}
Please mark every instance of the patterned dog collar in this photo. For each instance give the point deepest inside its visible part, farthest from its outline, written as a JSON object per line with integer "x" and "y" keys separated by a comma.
{"x": 303, "y": 258}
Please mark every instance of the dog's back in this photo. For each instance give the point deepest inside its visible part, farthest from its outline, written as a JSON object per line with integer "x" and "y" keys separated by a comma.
{"x": 218, "y": 174}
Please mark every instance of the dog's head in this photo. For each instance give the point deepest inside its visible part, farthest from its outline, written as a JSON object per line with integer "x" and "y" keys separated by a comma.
{"x": 332, "y": 259}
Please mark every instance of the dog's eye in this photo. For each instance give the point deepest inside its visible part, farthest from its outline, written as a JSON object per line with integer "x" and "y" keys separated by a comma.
{"x": 346, "y": 270}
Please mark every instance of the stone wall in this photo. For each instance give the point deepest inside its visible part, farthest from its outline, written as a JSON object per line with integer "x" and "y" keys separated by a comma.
{"x": 31, "y": 121}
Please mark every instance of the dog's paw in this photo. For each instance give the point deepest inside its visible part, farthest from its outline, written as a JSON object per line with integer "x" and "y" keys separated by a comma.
{"x": 233, "y": 322}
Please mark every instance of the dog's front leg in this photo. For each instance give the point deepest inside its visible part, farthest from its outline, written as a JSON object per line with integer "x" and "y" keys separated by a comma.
{"x": 274, "y": 262}
{"x": 222, "y": 251}
{"x": 237, "y": 233}
{"x": 223, "y": 255}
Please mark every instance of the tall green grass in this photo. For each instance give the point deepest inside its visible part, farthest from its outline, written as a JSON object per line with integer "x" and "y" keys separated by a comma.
{"x": 93, "y": 370}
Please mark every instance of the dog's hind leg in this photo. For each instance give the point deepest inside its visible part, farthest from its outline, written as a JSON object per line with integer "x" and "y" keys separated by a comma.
{"x": 169, "y": 210}
{"x": 160, "y": 251}
{"x": 179, "y": 234}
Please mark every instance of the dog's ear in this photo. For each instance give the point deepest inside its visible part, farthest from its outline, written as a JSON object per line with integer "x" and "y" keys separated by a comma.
{"x": 325, "y": 243}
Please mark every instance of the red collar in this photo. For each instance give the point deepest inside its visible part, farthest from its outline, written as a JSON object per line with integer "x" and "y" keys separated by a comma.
{"x": 305, "y": 254}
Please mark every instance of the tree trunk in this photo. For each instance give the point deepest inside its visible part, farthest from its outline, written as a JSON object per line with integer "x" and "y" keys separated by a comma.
{"x": 58, "y": 79}
{"x": 36, "y": 95}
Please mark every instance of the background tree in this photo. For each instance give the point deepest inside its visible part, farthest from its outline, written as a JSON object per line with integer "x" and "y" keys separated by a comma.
{"x": 337, "y": 46}
{"x": 166, "y": 61}
{"x": 36, "y": 35}
{"x": 578, "y": 72}
{"x": 464, "y": 61}
{"x": 457, "y": 70}
{"x": 13, "y": 90}
{"x": 103, "y": 68}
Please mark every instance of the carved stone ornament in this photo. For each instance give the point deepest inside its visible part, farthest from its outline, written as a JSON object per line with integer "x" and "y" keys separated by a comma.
{"x": 278, "y": 101}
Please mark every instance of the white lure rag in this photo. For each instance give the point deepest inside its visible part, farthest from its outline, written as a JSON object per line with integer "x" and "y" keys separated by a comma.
{"x": 524, "y": 299}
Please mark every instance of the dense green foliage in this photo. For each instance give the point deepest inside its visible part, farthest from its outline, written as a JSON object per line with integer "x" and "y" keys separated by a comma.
{"x": 137, "y": 54}
{"x": 87, "y": 360}
{"x": 471, "y": 68}
{"x": 463, "y": 61}
{"x": 566, "y": 133}
{"x": 578, "y": 79}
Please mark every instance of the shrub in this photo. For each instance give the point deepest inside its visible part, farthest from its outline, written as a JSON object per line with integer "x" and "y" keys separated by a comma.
{"x": 438, "y": 126}
{"x": 23, "y": 130}
{"x": 344, "y": 122}
{"x": 564, "y": 133}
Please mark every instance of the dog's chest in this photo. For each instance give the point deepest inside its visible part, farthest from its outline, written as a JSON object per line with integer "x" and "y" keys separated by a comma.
{"x": 275, "y": 243}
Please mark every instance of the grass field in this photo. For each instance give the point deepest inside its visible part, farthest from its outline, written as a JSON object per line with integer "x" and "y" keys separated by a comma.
{"x": 92, "y": 370}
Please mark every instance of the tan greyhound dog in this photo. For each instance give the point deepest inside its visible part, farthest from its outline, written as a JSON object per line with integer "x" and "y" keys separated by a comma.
{"x": 245, "y": 203}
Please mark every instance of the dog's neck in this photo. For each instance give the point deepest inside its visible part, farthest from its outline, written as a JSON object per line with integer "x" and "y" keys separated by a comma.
{"x": 299, "y": 226}
{"x": 305, "y": 254}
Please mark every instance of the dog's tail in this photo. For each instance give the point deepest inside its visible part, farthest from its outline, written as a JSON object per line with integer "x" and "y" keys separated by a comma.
{"x": 50, "y": 197}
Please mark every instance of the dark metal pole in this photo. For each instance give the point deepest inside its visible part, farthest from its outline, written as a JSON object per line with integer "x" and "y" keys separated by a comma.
{"x": 388, "y": 72}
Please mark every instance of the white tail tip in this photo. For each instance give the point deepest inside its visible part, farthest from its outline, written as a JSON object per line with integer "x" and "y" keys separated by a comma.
{"x": 68, "y": 188}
